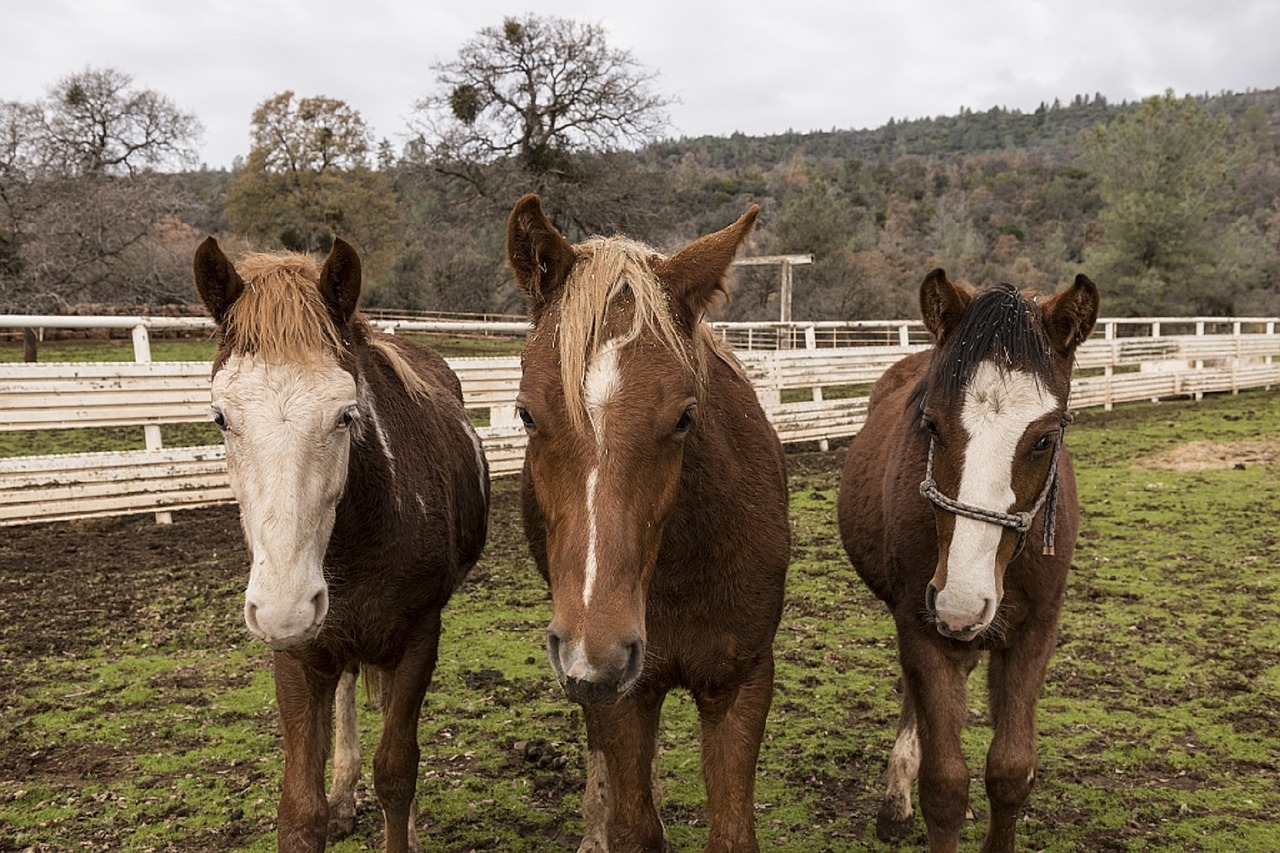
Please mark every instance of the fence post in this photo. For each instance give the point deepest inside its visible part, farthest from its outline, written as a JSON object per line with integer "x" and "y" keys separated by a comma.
{"x": 1199, "y": 365}
{"x": 150, "y": 432}
{"x": 1236, "y": 329}
{"x": 1108, "y": 372}
{"x": 1270, "y": 330}
{"x": 1155, "y": 333}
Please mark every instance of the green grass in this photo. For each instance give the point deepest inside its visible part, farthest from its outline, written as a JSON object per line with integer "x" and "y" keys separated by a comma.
{"x": 1160, "y": 722}
{"x": 200, "y": 348}
{"x": 118, "y": 349}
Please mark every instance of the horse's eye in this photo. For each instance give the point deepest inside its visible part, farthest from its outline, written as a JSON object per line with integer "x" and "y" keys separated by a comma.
{"x": 219, "y": 419}
{"x": 930, "y": 426}
{"x": 526, "y": 419}
{"x": 348, "y": 417}
{"x": 685, "y": 423}
{"x": 1044, "y": 442}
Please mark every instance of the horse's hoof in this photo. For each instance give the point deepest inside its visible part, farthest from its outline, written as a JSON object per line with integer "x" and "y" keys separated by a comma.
{"x": 890, "y": 826}
{"x": 341, "y": 825}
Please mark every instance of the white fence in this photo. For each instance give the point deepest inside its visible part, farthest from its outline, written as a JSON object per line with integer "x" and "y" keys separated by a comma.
{"x": 814, "y": 389}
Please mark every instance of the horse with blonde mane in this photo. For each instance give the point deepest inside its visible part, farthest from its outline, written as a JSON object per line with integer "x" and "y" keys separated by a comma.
{"x": 655, "y": 505}
{"x": 364, "y": 495}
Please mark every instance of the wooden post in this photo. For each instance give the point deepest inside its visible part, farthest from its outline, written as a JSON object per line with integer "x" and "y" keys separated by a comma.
{"x": 784, "y": 293}
{"x": 1109, "y": 371}
{"x": 784, "y": 287}
{"x": 30, "y": 345}
{"x": 151, "y": 432}
{"x": 1270, "y": 330}
{"x": 1199, "y": 365}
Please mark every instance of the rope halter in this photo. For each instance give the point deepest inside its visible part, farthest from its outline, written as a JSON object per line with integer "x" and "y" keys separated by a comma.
{"x": 1019, "y": 521}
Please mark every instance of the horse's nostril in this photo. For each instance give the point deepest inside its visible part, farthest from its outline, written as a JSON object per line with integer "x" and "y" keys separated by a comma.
{"x": 635, "y": 660}
{"x": 988, "y": 610}
{"x": 320, "y": 601}
{"x": 931, "y": 598}
{"x": 553, "y": 652}
{"x": 251, "y": 618}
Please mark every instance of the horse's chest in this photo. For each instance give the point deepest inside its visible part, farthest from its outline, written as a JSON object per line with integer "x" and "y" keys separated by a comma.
{"x": 700, "y": 639}
{"x": 375, "y": 620}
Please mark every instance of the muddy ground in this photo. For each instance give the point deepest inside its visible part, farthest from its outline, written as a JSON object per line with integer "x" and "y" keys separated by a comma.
{"x": 64, "y": 586}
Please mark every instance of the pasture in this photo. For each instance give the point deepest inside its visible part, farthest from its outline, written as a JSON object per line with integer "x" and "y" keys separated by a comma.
{"x": 136, "y": 712}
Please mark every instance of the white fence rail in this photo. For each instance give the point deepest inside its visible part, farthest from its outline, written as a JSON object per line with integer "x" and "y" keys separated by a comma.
{"x": 811, "y": 391}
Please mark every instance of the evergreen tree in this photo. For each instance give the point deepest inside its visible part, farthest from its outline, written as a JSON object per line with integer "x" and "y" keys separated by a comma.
{"x": 1166, "y": 171}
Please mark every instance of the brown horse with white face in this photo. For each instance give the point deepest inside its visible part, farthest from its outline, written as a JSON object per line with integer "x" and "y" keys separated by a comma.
{"x": 363, "y": 495}
{"x": 958, "y": 509}
{"x": 655, "y": 505}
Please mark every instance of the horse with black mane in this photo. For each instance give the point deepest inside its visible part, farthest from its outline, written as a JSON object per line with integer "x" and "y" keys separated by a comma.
{"x": 364, "y": 495}
{"x": 958, "y": 509}
{"x": 655, "y": 505}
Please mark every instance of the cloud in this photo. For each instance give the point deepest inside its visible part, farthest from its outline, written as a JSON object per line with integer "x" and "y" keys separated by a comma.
{"x": 751, "y": 66}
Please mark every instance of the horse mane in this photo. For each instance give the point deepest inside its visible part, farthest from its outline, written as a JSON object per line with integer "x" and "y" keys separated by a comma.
{"x": 608, "y": 271}
{"x": 999, "y": 324}
{"x": 281, "y": 315}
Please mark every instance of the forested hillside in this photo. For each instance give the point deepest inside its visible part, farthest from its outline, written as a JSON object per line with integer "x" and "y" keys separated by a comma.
{"x": 999, "y": 195}
{"x": 1172, "y": 204}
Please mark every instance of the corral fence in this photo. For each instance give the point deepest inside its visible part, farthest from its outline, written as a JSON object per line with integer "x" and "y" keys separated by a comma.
{"x": 812, "y": 378}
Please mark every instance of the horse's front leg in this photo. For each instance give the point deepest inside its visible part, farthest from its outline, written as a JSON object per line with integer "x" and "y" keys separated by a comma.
{"x": 893, "y": 820}
{"x": 732, "y": 727}
{"x": 1015, "y": 680}
{"x": 346, "y": 758}
{"x": 621, "y": 749}
{"x": 304, "y": 698}
{"x": 395, "y": 763}
{"x": 935, "y": 682}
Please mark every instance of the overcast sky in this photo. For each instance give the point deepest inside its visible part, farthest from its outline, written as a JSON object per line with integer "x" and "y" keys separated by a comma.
{"x": 756, "y": 66}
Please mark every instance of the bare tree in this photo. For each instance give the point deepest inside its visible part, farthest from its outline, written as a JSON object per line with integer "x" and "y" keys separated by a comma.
{"x": 537, "y": 104}
{"x": 84, "y": 215}
{"x": 533, "y": 91}
{"x": 94, "y": 124}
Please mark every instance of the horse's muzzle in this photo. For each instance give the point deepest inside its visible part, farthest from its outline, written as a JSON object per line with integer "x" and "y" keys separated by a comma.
{"x": 288, "y": 626}
{"x": 599, "y": 682}
{"x": 957, "y": 622}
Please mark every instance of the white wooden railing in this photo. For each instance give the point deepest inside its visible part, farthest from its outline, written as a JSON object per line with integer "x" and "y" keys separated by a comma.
{"x": 810, "y": 390}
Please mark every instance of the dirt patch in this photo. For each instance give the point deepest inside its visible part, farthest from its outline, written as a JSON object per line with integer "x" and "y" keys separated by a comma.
{"x": 67, "y": 589}
{"x": 1215, "y": 455}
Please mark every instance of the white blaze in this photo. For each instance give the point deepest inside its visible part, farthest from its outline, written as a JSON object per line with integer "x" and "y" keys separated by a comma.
{"x": 366, "y": 404}
{"x": 997, "y": 409}
{"x": 589, "y": 579}
{"x": 287, "y": 464}
{"x": 600, "y": 385}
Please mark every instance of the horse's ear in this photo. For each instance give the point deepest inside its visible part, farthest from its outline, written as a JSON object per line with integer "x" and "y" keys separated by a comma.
{"x": 1069, "y": 316}
{"x": 942, "y": 302}
{"x": 695, "y": 273}
{"x": 217, "y": 281}
{"x": 340, "y": 280}
{"x": 539, "y": 255}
